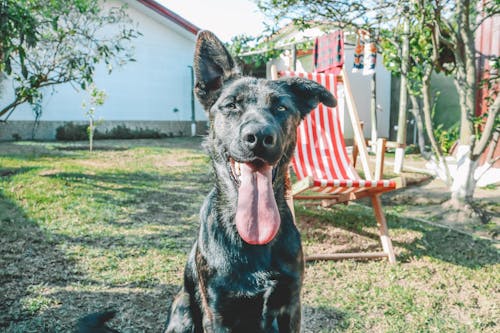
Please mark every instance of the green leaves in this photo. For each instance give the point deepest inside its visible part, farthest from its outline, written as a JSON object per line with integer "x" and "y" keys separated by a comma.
{"x": 50, "y": 42}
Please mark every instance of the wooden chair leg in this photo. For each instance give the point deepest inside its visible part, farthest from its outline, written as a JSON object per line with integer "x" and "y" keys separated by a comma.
{"x": 384, "y": 232}
{"x": 379, "y": 160}
{"x": 355, "y": 153}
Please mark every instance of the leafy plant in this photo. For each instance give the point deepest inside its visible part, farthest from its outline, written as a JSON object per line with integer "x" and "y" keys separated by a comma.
{"x": 97, "y": 98}
{"x": 71, "y": 132}
{"x": 447, "y": 137}
{"x": 78, "y": 132}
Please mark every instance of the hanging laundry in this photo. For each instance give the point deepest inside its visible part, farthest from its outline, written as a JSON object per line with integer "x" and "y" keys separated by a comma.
{"x": 329, "y": 52}
{"x": 370, "y": 58}
{"x": 358, "y": 54}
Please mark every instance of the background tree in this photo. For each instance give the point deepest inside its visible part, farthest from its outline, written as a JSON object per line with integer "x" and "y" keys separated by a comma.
{"x": 47, "y": 43}
{"x": 425, "y": 58}
{"x": 445, "y": 28}
{"x": 456, "y": 23}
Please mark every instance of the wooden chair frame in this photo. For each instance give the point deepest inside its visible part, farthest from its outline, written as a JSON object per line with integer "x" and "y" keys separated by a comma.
{"x": 360, "y": 149}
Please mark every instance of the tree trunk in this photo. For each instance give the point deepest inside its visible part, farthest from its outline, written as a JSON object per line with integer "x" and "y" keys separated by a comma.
{"x": 403, "y": 97}
{"x": 465, "y": 78}
{"x": 464, "y": 183}
{"x": 419, "y": 122}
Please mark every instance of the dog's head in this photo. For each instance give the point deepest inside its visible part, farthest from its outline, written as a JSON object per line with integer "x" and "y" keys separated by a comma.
{"x": 253, "y": 128}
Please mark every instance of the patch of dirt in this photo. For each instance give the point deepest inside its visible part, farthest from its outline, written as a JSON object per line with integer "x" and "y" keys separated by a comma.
{"x": 327, "y": 238}
{"x": 428, "y": 200}
{"x": 425, "y": 197}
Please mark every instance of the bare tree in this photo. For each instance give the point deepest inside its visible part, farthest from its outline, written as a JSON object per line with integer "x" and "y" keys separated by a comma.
{"x": 446, "y": 29}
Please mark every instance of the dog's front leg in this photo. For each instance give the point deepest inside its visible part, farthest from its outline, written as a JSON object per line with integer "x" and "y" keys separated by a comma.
{"x": 181, "y": 319}
{"x": 290, "y": 320}
{"x": 214, "y": 326}
{"x": 283, "y": 300}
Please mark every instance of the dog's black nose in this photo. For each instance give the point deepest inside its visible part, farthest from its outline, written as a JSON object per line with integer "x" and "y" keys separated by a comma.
{"x": 257, "y": 137}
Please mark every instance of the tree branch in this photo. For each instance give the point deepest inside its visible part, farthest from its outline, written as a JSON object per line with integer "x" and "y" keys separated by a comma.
{"x": 489, "y": 10}
{"x": 488, "y": 129}
{"x": 12, "y": 105}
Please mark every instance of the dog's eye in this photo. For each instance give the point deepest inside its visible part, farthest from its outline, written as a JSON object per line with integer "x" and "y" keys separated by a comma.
{"x": 281, "y": 108}
{"x": 231, "y": 106}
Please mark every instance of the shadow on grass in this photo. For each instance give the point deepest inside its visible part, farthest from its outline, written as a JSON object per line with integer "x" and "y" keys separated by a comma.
{"x": 323, "y": 319}
{"x": 139, "y": 184}
{"x": 43, "y": 290}
{"x": 137, "y": 310}
{"x": 7, "y": 173}
{"x": 30, "y": 260}
{"x": 430, "y": 241}
{"x": 31, "y": 150}
{"x": 446, "y": 245}
{"x": 168, "y": 200}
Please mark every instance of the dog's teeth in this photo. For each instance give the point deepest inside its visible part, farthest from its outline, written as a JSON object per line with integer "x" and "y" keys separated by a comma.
{"x": 238, "y": 169}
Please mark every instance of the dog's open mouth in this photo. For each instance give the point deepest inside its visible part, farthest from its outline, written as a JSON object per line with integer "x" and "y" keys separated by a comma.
{"x": 257, "y": 215}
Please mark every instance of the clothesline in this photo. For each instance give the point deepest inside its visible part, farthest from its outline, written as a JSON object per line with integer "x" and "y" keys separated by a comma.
{"x": 284, "y": 46}
{"x": 328, "y": 52}
{"x": 288, "y": 45}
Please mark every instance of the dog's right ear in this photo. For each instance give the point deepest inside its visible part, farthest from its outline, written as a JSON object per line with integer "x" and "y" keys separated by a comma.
{"x": 308, "y": 94}
{"x": 213, "y": 65}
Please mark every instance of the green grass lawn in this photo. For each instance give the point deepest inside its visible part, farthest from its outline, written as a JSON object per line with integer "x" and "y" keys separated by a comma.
{"x": 81, "y": 232}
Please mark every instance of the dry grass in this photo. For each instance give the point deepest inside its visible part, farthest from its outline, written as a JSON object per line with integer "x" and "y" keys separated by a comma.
{"x": 81, "y": 232}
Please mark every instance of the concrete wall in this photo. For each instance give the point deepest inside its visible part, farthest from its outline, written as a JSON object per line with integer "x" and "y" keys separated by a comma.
{"x": 149, "y": 89}
{"x": 46, "y": 130}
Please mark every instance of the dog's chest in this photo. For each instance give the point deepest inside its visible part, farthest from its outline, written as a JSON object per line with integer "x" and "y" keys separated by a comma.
{"x": 255, "y": 284}
{"x": 252, "y": 289}
{"x": 246, "y": 295}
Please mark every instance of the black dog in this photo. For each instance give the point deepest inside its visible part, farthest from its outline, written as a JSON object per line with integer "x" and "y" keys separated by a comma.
{"x": 245, "y": 270}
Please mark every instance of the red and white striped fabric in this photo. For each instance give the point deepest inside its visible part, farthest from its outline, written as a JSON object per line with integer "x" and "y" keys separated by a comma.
{"x": 321, "y": 151}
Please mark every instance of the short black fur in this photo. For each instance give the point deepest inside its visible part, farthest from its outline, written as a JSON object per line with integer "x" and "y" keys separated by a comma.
{"x": 230, "y": 285}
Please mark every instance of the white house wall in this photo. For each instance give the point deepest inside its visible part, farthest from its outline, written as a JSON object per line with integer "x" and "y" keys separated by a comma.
{"x": 149, "y": 89}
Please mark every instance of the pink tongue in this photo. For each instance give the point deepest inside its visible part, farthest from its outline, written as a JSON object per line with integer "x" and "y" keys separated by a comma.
{"x": 257, "y": 215}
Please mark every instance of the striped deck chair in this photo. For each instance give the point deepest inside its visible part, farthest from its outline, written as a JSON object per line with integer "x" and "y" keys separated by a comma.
{"x": 324, "y": 170}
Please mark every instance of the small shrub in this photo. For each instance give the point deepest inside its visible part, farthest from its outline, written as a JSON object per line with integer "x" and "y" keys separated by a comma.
{"x": 73, "y": 132}
{"x": 412, "y": 149}
{"x": 120, "y": 132}
{"x": 123, "y": 132}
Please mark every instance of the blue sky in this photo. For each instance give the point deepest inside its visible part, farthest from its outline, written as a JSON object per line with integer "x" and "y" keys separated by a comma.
{"x": 226, "y": 18}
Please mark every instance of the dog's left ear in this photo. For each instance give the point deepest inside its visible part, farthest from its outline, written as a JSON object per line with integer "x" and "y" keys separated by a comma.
{"x": 308, "y": 94}
{"x": 213, "y": 65}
